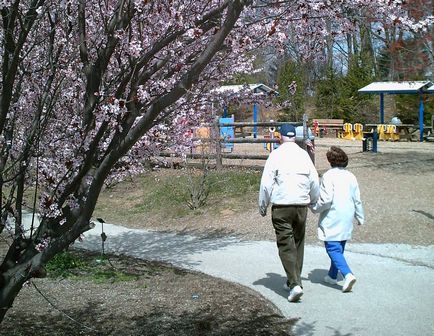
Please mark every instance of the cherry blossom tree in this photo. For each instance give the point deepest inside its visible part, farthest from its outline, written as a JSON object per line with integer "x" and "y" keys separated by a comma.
{"x": 89, "y": 89}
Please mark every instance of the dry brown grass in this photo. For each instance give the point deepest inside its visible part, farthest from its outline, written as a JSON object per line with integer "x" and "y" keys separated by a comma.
{"x": 396, "y": 185}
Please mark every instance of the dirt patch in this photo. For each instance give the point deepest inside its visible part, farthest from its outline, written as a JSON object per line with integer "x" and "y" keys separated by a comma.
{"x": 161, "y": 300}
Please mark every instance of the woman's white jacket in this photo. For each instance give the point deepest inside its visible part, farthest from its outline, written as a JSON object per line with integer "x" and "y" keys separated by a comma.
{"x": 339, "y": 204}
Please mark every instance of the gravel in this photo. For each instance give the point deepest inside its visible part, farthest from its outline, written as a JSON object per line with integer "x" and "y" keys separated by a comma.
{"x": 397, "y": 190}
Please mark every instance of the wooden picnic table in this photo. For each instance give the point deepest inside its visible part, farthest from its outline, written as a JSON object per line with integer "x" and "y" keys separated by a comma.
{"x": 325, "y": 125}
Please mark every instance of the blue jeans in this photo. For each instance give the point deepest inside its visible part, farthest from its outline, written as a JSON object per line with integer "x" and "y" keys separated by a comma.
{"x": 335, "y": 250}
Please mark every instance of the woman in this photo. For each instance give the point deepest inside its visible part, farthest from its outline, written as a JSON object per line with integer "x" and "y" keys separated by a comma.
{"x": 338, "y": 204}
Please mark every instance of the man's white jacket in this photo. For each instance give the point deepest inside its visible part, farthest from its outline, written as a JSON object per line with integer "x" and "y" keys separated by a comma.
{"x": 289, "y": 178}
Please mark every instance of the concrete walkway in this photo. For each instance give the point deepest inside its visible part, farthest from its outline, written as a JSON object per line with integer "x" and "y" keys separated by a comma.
{"x": 394, "y": 293}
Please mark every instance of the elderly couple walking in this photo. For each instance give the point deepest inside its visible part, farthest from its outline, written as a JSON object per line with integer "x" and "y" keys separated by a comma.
{"x": 291, "y": 185}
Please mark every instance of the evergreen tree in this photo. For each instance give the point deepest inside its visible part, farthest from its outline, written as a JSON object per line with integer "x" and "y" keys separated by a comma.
{"x": 291, "y": 85}
{"x": 337, "y": 95}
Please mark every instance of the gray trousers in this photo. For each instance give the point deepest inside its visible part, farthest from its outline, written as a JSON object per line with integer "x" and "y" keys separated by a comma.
{"x": 289, "y": 223}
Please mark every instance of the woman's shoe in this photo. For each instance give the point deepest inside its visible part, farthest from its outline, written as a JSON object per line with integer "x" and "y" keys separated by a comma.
{"x": 350, "y": 280}
{"x": 330, "y": 280}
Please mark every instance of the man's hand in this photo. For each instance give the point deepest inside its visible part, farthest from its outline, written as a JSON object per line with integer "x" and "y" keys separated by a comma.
{"x": 263, "y": 211}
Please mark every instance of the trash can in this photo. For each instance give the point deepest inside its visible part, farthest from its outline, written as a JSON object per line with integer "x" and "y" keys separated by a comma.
{"x": 369, "y": 142}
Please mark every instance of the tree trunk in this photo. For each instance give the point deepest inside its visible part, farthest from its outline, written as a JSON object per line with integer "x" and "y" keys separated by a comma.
{"x": 23, "y": 261}
{"x": 11, "y": 282}
{"x": 330, "y": 43}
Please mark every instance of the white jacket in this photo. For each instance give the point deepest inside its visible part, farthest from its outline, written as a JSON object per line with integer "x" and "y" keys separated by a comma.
{"x": 289, "y": 178}
{"x": 338, "y": 204}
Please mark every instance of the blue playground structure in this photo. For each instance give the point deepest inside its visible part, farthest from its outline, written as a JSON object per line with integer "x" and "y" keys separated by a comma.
{"x": 227, "y": 132}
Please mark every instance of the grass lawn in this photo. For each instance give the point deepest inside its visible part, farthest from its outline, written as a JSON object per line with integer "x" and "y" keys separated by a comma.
{"x": 168, "y": 193}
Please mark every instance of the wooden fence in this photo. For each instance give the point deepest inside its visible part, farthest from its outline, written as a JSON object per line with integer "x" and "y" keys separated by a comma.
{"x": 215, "y": 143}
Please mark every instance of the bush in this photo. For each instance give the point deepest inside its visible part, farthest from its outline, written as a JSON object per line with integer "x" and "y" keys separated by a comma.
{"x": 62, "y": 264}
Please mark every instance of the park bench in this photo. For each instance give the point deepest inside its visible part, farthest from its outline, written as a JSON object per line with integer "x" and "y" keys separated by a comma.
{"x": 325, "y": 125}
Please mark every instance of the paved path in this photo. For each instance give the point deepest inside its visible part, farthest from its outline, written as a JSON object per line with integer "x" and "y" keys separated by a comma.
{"x": 394, "y": 293}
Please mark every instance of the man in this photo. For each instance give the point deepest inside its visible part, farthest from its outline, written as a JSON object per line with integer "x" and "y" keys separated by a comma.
{"x": 290, "y": 183}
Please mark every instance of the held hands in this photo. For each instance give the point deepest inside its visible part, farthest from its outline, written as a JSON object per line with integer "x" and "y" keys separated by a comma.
{"x": 311, "y": 206}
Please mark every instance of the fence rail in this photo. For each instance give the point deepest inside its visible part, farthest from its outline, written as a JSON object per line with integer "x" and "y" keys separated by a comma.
{"x": 260, "y": 124}
{"x": 223, "y": 155}
{"x": 239, "y": 140}
{"x": 215, "y": 141}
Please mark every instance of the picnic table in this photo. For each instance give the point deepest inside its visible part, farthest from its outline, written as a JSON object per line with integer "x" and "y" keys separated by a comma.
{"x": 322, "y": 126}
{"x": 405, "y": 131}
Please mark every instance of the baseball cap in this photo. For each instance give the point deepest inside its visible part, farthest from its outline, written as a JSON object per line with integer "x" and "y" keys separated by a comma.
{"x": 287, "y": 130}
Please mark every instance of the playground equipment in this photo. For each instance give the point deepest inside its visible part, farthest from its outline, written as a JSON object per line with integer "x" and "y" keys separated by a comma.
{"x": 226, "y": 133}
{"x": 316, "y": 129}
{"x": 381, "y": 130}
{"x": 203, "y": 133}
{"x": 273, "y": 135}
{"x": 358, "y": 131}
{"x": 257, "y": 90}
{"x": 387, "y": 132}
{"x": 347, "y": 132}
{"x": 391, "y": 133}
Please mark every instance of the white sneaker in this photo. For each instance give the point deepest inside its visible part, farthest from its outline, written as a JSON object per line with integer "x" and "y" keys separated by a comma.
{"x": 295, "y": 294}
{"x": 330, "y": 280}
{"x": 350, "y": 280}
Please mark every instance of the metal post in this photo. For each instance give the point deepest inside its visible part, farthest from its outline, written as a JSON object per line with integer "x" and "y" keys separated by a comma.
{"x": 272, "y": 129}
{"x": 215, "y": 135}
{"x": 255, "y": 119}
{"x": 374, "y": 140}
{"x": 304, "y": 144}
{"x": 225, "y": 111}
{"x": 421, "y": 117}
{"x": 381, "y": 108}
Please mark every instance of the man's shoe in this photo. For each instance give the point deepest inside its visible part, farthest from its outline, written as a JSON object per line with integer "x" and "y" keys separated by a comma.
{"x": 330, "y": 280}
{"x": 295, "y": 294}
{"x": 350, "y": 280}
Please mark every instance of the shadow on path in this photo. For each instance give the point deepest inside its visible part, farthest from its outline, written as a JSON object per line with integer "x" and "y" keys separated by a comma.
{"x": 316, "y": 276}
{"x": 274, "y": 282}
{"x": 172, "y": 247}
{"x": 430, "y": 216}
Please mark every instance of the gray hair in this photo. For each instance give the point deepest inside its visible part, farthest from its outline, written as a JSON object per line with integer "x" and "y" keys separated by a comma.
{"x": 287, "y": 139}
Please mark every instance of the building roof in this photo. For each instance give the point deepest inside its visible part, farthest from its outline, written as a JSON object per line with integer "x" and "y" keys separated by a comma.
{"x": 397, "y": 87}
{"x": 256, "y": 88}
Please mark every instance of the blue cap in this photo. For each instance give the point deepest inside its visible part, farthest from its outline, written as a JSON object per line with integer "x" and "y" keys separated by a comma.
{"x": 287, "y": 130}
